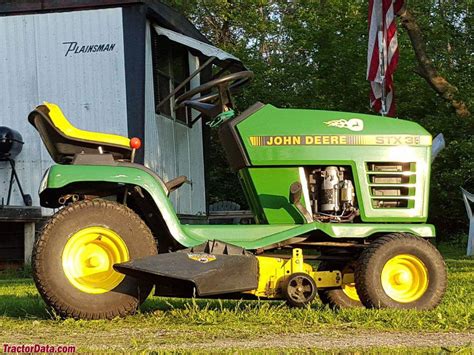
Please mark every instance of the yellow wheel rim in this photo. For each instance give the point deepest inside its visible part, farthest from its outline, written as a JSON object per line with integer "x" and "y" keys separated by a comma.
{"x": 88, "y": 259}
{"x": 405, "y": 278}
{"x": 348, "y": 287}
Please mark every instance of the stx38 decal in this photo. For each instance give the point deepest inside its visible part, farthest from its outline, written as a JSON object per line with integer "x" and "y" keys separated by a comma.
{"x": 260, "y": 141}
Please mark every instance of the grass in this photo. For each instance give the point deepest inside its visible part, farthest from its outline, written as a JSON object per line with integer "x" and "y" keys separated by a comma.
{"x": 177, "y": 324}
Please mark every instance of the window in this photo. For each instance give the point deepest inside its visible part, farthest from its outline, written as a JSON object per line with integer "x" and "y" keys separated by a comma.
{"x": 170, "y": 68}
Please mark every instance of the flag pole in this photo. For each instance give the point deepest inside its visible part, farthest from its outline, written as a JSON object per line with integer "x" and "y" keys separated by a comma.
{"x": 383, "y": 99}
{"x": 382, "y": 59}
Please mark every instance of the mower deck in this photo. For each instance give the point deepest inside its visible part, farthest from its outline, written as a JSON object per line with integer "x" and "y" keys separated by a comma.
{"x": 211, "y": 268}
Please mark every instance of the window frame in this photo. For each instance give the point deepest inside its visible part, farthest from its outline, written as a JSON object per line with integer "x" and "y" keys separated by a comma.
{"x": 170, "y": 76}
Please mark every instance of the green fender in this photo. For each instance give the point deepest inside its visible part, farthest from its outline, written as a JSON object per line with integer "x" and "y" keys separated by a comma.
{"x": 246, "y": 236}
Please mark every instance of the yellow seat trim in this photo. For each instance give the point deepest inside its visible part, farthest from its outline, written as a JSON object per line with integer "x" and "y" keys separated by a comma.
{"x": 61, "y": 123}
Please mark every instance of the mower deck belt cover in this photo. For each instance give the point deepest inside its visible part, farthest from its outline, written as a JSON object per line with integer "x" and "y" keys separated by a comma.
{"x": 213, "y": 267}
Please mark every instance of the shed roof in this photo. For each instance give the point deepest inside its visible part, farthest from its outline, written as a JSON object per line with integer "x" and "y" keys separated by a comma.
{"x": 162, "y": 13}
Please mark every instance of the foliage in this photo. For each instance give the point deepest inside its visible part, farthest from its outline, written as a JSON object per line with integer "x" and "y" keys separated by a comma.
{"x": 312, "y": 54}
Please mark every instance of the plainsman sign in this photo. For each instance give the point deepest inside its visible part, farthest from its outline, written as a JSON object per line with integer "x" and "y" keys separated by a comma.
{"x": 76, "y": 48}
{"x": 261, "y": 141}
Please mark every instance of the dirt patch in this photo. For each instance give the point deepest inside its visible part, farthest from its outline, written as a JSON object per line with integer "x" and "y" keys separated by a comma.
{"x": 148, "y": 340}
{"x": 343, "y": 341}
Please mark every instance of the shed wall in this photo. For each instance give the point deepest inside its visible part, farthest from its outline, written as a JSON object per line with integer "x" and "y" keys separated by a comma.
{"x": 173, "y": 149}
{"x": 35, "y": 66}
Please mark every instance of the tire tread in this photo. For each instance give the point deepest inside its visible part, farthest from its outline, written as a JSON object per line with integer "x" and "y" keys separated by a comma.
{"x": 362, "y": 272}
{"x": 41, "y": 279}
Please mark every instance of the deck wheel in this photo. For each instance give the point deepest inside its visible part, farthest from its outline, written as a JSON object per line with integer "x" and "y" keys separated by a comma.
{"x": 299, "y": 290}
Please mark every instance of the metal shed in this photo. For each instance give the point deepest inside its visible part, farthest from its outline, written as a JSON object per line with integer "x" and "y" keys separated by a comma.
{"x": 108, "y": 65}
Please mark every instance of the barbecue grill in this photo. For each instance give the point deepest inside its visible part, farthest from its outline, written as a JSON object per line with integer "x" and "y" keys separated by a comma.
{"x": 11, "y": 144}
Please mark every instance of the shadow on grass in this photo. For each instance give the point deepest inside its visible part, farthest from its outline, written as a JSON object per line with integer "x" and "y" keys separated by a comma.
{"x": 153, "y": 304}
{"x": 19, "y": 299}
{"x": 29, "y": 306}
{"x": 24, "y": 272}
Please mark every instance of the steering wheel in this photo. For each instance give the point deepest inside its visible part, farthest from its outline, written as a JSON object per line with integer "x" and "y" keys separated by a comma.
{"x": 226, "y": 85}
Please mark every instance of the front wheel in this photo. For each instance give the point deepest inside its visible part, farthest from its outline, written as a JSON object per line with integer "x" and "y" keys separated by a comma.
{"x": 341, "y": 297}
{"x": 401, "y": 271}
{"x": 74, "y": 256}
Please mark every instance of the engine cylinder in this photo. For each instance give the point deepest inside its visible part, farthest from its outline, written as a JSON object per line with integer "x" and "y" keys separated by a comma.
{"x": 329, "y": 190}
{"x": 347, "y": 193}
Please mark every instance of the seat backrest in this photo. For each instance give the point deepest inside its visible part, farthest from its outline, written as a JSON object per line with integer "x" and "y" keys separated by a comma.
{"x": 63, "y": 141}
{"x": 61, "y": 123}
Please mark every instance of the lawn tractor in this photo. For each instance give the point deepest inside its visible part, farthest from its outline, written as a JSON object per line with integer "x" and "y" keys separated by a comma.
{"x": 340, "y": 203}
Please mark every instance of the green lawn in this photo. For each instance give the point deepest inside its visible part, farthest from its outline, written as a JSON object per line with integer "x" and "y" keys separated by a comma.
{"x": 183, "y": 324}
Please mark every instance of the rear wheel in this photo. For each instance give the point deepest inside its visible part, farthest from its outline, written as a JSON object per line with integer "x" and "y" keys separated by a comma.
{"x": 74, "y": 256}
{"x": 401, "y": 271}
{"x": 342, "y": 297}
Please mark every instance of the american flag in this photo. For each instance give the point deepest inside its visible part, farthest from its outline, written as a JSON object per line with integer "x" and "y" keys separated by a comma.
{"x": 382, "y": 56}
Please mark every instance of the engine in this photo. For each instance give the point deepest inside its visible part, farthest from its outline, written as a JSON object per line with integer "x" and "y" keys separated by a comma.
{"x": 332, "y": 194}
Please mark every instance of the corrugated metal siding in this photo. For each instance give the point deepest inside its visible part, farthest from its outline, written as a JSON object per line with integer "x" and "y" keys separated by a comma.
{"x": 89, "y": 87}
{"x": 183, "y": 161}
{"x": 196, "y": 154}
{"x": 18, "y": 94}
{"x": 152, "y": 142}
{"x": 172, "y": 149}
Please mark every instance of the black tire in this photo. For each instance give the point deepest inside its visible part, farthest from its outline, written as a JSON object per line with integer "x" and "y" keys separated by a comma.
{"x": 368, "y": 275}
{"x": 336, "y": 298}
{"x": 47, "y": 261}
{"x": 303, "y": 297}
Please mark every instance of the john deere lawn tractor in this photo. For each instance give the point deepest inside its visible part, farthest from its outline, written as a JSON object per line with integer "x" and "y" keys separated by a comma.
{"x": 348, "y": 191}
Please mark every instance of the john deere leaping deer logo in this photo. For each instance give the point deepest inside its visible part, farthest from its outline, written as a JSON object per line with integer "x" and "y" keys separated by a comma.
{"x": 202, "y": 257}
{"x": 354, "y": 124}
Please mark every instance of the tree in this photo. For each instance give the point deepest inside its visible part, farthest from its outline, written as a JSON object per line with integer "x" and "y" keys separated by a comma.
{"x": 312, "y": 54}
{"x": 426, "y": 68}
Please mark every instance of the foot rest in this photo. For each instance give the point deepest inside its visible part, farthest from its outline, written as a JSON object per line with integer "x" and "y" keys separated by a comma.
{"x": 177, "y": 183}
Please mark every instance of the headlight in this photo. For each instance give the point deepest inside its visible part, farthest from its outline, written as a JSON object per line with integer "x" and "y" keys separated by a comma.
{"x": 44, "y": 182}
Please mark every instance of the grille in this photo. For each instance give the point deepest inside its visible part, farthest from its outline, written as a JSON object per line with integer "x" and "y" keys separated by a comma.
{"x": 392, "y": 185}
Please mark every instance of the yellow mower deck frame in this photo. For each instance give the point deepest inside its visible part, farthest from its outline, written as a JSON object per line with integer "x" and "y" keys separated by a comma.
{"x": 274, "y": 272}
